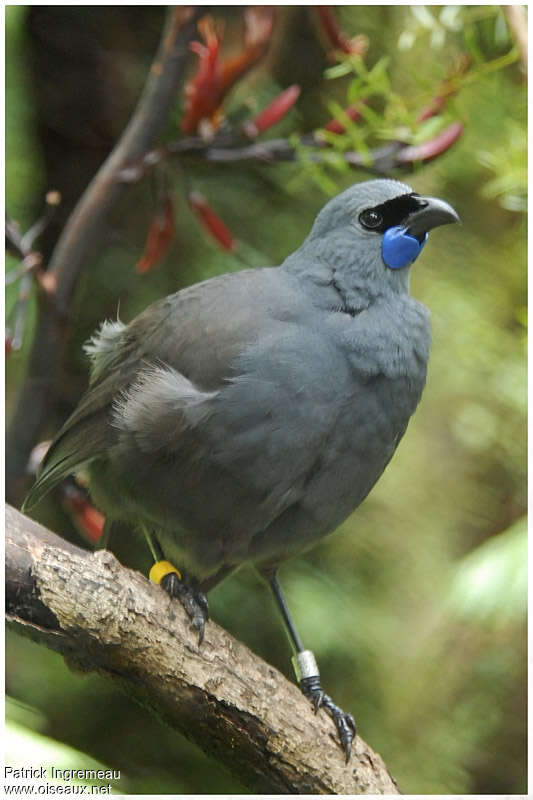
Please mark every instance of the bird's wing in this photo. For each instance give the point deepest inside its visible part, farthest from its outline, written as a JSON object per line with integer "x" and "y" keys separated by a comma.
{"x": 198, "y": 332}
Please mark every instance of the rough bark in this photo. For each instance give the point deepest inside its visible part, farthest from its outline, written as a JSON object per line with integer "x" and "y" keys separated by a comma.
{"x": 236, "y": 707}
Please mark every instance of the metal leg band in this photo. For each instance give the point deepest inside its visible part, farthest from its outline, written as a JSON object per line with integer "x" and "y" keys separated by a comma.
{"x": 305, "y": 665}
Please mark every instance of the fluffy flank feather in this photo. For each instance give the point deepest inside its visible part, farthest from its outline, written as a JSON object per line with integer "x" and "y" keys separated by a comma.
{"x": 102, "y": 347}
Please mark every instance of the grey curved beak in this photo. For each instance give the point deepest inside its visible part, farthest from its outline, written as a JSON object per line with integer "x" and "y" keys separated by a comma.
{"x": 432, "y": 213}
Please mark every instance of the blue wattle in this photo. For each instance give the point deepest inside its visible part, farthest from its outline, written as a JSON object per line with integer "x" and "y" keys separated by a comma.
{"x": 399, "y": 248}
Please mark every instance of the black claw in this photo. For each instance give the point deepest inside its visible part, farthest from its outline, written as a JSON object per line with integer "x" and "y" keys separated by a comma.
{"x": 201, "y": 597}
{"x": 344, "y": 722}
{"x": 317, "y": 700}
{"x": 198, "y": 625}
{"x": 194, "y": 602}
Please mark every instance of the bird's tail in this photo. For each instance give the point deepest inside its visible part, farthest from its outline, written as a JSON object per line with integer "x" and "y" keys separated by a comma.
{"x": 74, "y": 447}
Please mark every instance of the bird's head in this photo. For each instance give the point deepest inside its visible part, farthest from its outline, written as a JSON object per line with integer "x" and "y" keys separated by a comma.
{"x": 371, "y": 233}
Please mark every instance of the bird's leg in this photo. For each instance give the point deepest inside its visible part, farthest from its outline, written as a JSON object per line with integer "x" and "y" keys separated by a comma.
{"x": 308, "y": 676}
{"x": 169, "y": 578}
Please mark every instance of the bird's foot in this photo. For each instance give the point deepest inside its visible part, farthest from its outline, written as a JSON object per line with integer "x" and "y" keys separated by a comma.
{"x": 193, "y": 601}
{"x": 305, "y": 666}
{"x": 344, "y": 722}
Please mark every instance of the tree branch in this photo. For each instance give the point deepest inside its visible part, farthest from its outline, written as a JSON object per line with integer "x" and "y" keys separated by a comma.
{"x": 230, "y": 148}
{"x": 232, "y": 704}
{"x": 83, "y": 234}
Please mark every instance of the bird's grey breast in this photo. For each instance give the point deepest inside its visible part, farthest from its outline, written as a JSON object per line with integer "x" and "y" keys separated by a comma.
{"x": 386, "y": 349}
{"x": 314, "y": 416}
{"x": 317, "y": 408}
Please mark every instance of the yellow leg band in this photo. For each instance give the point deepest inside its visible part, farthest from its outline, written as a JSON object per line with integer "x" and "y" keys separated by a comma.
{"x": 160, "y": 569}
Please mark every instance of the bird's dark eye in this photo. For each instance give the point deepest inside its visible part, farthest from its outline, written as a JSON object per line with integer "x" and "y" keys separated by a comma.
{"x": 370, "y": 219}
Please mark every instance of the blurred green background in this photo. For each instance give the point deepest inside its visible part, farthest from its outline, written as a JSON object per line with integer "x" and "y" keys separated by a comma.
{"x": 415, "y": 607}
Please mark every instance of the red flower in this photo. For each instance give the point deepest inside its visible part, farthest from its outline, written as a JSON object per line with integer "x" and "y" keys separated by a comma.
{"x": 211, "y": 222}
{"x": 203, "y": 92}
{"x": 433, "y": 147}
{"x": 258, "y": 23}
{"x": 447, "y": 89}
{"x": 213, "y": 80}
{"x": 89, "y": 521}
{"x": 272, "y": 114}
{"x": 159, "y": 238}
{"x": 355, "y": 46}
{"x": 336, "y": 126}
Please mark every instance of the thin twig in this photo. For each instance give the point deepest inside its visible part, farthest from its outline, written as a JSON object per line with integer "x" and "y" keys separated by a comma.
{"x": 21, "y": 311}
{"x": 28, "y": 264}
{"x": 53, "y": 199}
{"x": 31, "y": 264}
{"x": 14, "y": 239}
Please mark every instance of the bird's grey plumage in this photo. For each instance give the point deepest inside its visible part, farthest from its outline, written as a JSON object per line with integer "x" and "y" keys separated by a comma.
{"x": 245, "y": 417}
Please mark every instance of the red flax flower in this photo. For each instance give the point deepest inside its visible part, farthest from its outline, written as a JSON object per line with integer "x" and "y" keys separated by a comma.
{"x": 89, "y": 521}
{"x": 258, "y": 23}
{"x": 211, "y": 222}
{"x": 336, "y": 126}
{"x": 273, "y": 112}
{"x": 433, "y": 147}
{"x": 447, "y": 89}
{"x": 159, "y": 239}
{"x": 203, "y": 92}
{"x": 213, "y": 80}
{"x": 356, "y": 46}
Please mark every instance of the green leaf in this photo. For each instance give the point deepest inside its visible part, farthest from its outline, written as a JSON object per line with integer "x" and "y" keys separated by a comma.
{"x": 490, "y": 583}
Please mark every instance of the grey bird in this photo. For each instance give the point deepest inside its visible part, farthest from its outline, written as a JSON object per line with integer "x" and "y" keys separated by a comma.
{"x": 242, "y": 419}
